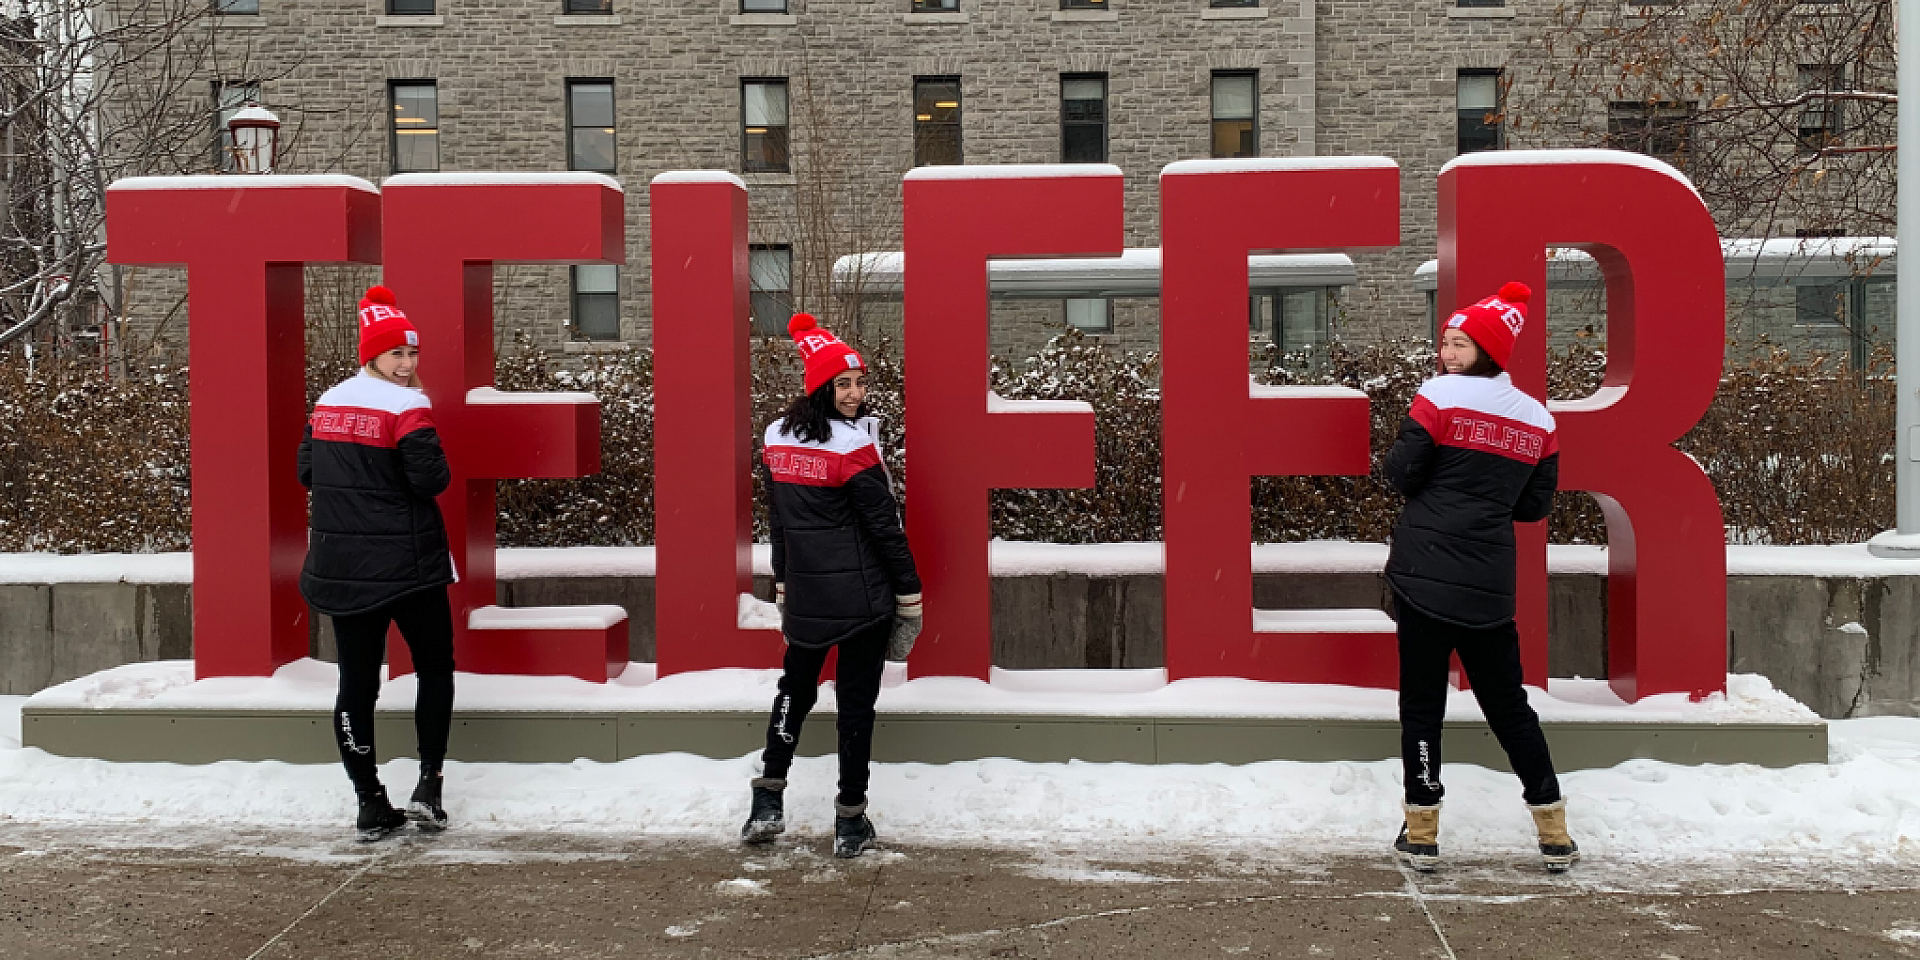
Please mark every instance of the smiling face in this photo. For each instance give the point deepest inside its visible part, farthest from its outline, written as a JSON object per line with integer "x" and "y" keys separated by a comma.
{"x": 1458, "y": 352}
{"x": 849, "y": 392}
{"x": 397, "y": 365}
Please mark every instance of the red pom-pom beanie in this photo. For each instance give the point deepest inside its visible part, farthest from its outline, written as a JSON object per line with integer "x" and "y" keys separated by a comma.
{"x": 1494, "y": 323}
{"x": 823, "y": 353}
{"x": 382, "y": 325}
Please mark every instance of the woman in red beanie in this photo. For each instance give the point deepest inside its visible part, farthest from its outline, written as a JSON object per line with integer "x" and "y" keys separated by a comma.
{"x": 1474, "y": 456}
{"x": 377, "y": 554}
{"x": 843, "y": 577}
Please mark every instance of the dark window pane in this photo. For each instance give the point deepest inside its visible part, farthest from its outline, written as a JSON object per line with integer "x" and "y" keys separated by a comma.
{"x": 763, "y": 6}
{"x": 936, "y": 121}
{"x": 1234, "y": 3}
{"x": 596, "y": 302}
{"x": 590, "y": 111}
{"x": 1083, "y": 119}
{"x": 770, "y": 289}
{"x": 1083, "y": 4}
{"x": 410, "y": 7}
{"x": 236, "y": 6}
{"x": 1234, "y": 138}
{"x": 931, "y": 6}
{"x": 1480, "y": 3}
{"x": 1084, "y": 144}
{"x": 1477, "y": 95}
{"x": 763, "y": 114}
{"x": 416, "y": 127}
{"x": 589, "y": 6}
{"x": 1236, "y": 113}
{"x": 1662, "y": 130}
{"x": 1820, "y": 303}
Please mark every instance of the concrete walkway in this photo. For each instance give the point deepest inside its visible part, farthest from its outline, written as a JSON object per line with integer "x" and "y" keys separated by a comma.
{"x": 128, "y": 891}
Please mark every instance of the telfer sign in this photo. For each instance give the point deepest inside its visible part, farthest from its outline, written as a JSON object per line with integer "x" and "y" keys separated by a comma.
{"x": 245, "y": 240}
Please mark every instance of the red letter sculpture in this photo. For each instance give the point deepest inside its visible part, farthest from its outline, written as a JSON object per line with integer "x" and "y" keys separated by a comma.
{"x": 962, "y": 442}
{"x": 244, "y": 242}
{"x": 1219, "y": 430}
{"x": 444, "y": 233}
{"x": 702, "y": 441}
{"x": 1659, "y": 253}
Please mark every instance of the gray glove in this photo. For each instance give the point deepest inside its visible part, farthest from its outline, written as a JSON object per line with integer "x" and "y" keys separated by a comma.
{"x": 906, "y": 626}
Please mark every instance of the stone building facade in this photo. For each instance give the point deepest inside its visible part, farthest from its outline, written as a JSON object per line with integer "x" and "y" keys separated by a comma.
{"x": 517, "y": 85}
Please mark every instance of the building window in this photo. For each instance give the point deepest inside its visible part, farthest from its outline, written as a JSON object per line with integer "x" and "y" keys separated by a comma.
{"x": 770, "y": 288}
{"x": 1297, "y": 318}
{"x": 410, "y": 8}
{"x": 236, "y": 7}
{"x": 596, "y": 302}
{"x": 1820, "y": 304}
{"x": 1090, "y": 315}
{"x": 590, "y": 125}
{"x": 1476, "y": 97}
{"x": 415, "y": 143}
{"x": 228, "y": 99}
{"x": 935, "y": 6}
{"x": 763, "y": 6}
{"x": 1480, "y": 3}
{"x": 936, "y": 121}
{"x": 763, "y": 126}
{"x": 1083, "y": 118}
{"x": 1820, "y": 118}
{"x": 1236, "y": 114}
{"x": 588, "y": 6}
{"x": 1233, "y": 3}
{"x": 1083, "y": 4}
{"x": 1662, "y": 129}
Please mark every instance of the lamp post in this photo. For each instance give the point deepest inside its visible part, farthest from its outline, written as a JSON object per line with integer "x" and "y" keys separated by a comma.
{"x": 255, "y": 134}
{"x": 1904, "y": 539}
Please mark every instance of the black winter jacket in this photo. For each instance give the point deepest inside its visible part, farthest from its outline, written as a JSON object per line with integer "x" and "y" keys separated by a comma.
{"x": 837, "y": 542}
{"x": 1473, "y": 456}
{"x": 373, "y": 461}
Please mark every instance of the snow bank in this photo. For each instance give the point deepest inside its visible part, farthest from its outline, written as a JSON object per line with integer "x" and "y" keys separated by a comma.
{"x": 1009, "y": 558}
{"x": 1863, "y": 806}
{"x": 308, "y": 684}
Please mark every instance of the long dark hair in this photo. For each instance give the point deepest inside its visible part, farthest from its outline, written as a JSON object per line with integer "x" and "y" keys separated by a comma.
{"x": 1484, "y": 366}
{"x": 809, "y": 418}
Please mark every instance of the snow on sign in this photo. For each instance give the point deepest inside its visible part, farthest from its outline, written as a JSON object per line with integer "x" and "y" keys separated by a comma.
{"x": 439, "y": 239}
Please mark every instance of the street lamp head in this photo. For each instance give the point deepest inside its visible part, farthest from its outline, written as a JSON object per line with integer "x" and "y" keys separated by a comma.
{"x": 255, "y": 133}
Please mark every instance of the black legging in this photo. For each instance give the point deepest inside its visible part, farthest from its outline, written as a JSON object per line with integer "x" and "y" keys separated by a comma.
{"x": 856, "y": 687}
{"x": 426, "y": 623}
{"x": 1491, "y": 657}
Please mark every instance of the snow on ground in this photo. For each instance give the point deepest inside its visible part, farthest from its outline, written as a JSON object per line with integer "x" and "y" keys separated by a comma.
{"x": 1863, "y": 806}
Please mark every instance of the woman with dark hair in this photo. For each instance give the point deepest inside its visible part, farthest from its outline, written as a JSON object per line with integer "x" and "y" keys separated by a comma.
{"x": 843, "y": 578}
{"x": 1474, "y": 456}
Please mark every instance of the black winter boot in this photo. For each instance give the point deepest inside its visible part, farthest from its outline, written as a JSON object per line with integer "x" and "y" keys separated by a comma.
{"x": 852, "y": 831}
{"x": 768, "y": 818}
{"x": 378, "y": 818}
{"x": 425, "y": 809}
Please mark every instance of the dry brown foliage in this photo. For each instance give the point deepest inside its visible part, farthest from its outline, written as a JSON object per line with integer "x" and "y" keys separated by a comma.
{"x": 1799, "y": 449}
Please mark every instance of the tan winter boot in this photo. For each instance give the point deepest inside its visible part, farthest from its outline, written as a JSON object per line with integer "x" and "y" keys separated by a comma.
{"x": 1419, "y": 842}
{"x": 1557, "y": 849}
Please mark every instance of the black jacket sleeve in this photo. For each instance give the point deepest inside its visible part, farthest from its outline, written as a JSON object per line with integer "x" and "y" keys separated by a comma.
{"x": 425, "y": 462}
{"x": 1410, "y": 462}
{"x": 778, "y": 534}
{"x": 1536, "y": 501}
{"x": 306, "y": 458}
{"x": 880, "y": 515}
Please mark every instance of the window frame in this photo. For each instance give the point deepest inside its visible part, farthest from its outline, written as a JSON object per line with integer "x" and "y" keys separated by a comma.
{"x": 776, "y": 327}
{"x": 1066, "y": 122}
{"x": 786, "y": 129}
{"x": 1831, "y": 131}
{"x": 224, "y": 8}
{"x": 927, "y": 126}
{"x": 1106, "y": 309}
{"x": 576, "y": 296}
{"x": 1226, "y": 4}
{"x": 393, "y": 125}
{"x": 393, "y": 8}
{"x": 1085, "y": 5}
{"x": 586, "y": 8}
{"x": 771, "y": 6}
{"x": 1461, "y": 119}
{"x": 1214, "y": 120}
{"x": 1648, "y": 118}
{"x": 613, "y": 96}
{"x": 933, "y": 6}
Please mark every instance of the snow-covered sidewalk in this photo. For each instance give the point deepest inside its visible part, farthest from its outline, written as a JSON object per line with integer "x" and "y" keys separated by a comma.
{"x": 1864, "y": 805}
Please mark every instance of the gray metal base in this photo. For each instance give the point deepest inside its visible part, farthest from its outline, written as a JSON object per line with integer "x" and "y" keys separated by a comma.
{"x": 204, "y": 736}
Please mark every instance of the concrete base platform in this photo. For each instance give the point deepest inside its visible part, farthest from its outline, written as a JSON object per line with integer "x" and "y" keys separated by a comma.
{"x": 303, "y": 736}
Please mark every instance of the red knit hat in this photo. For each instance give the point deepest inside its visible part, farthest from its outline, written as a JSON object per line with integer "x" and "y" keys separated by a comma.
{"x": 382, "y": 325}
{"x": 1494, "y": 323}
{"x": 825, "y": 356}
